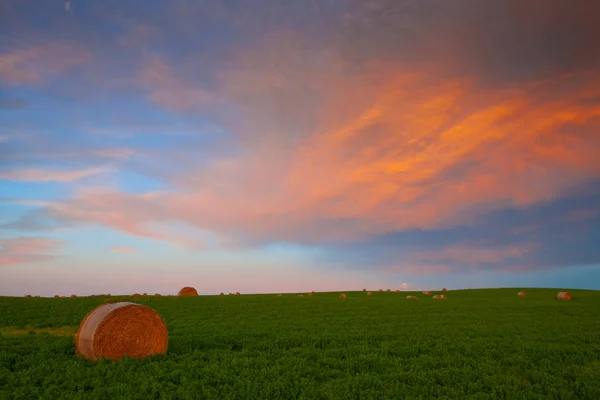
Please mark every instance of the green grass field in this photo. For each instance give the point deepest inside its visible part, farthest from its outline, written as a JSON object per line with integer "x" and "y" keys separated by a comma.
{"x": 477, "y": 344}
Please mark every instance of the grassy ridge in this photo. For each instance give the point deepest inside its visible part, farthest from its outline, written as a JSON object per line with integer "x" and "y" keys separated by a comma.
{"x": 476, "y": 344}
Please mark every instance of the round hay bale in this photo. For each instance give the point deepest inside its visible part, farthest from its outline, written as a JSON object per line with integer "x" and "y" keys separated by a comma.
{"x": 230, "y": 294}
{"x": 439, "y": 296}
{"x": 221, "y": 294}
{"x": 157, "y": 294}
{"x": 310, "y": 294}
{"x": 364, "y": 290}
{"x": 342, "y": 296}
{"x": 396, "y": 291}
{"x": 136, "y": 295}
{"x": 563, "y": 296}
{"x": 121, "y": 329}
{"x": 237, "y": 293}
{"x": 369, "y": 294}
{"x": 443, "y": 289}
{"x": 412, "y": 298}
{"x": 27, "y": 295}
{"x": 380, "y": 290}
{"x": 73, "y": 295}
{"x": 187, "y": 291}
{"x": 56, "y": 296}
{"x": 426, "y": 293}
{"x": 145, "y": 294}
{"x": 388, "y": 290}
{"x": 521, "y": 294}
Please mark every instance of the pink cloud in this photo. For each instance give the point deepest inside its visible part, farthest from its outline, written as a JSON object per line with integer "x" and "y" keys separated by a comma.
{"x": 25, "y": 250}
{"x": 123, "y": 250}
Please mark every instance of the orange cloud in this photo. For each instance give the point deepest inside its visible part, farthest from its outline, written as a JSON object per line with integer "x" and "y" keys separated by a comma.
{"x": 27, "y": 249}
{"x": 334, "y": 153}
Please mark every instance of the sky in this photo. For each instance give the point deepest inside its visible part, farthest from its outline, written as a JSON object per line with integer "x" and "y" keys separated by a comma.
{"x": 295, "y": 146}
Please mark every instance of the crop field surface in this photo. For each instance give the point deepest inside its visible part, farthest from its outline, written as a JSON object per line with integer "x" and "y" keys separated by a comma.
{"x": 476, "y": 344}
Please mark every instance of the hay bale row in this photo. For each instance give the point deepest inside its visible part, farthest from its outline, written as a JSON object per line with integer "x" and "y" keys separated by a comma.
{"x": 121, "y": 329}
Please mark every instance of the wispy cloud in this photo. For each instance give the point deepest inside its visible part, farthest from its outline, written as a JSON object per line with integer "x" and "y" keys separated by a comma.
{"x": 39, "y": 175}
{"x": 31, "y": 64}
{"x": 27, "y": 249}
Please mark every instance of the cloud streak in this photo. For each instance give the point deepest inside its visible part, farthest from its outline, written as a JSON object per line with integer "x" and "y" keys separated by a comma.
{"x": 39, "y": 175}
{"x": 25, "y": 250}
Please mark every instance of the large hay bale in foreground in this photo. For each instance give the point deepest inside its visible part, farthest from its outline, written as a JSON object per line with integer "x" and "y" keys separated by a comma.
{"x": 563, "y": 296}
{"x": 521, "y": 294}
{"x": 121, "y": 329}
{"x": 187, "y": 291}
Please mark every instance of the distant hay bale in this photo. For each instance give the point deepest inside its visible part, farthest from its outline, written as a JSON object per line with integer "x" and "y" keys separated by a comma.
{"x": 444, "y": 289}
{"x": 300, "y": 295}
{"x": 56, "y": 296}
{"x": 426, "y": 293}
{"x": 145, "y": 294}
{"x": 237, "y": 293}
{"x": 157, "y": 294}
{"x": 221, "y": 294}
{"x": 563, "y": 296}
{"x": 187, "y": 291}
{"x": 230, "y": 294}
{"x": 412, "y": 298}
{"x": 27, "y": 295}
{"x": 107, "y": 294}
{"x": 310, "y": 294}
{"x": 73, "y": 295}
{"x": 439, "y": 296}
{"x": 136, "y": 295}
{"x": 380, "y": 290}
{"x": 521, "y": 294}
{"x": 279, "y": 295}
{"x": 369, "y": 294}
{"x": 121, "y": 329}
{"x": 342, "y": 296}
{"x": 364, "y": 290}
{"x": 396, "y": 291}
{"x": 388, "y": 290}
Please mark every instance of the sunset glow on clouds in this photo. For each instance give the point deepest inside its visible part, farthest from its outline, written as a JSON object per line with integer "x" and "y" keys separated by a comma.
{"x": 318, "y": 146}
